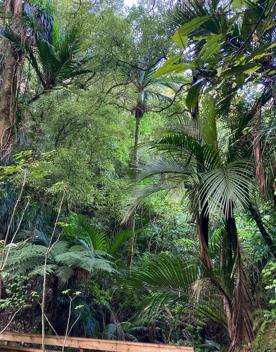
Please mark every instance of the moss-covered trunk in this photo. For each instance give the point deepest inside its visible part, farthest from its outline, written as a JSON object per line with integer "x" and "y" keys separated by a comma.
{"x": 11, "y": 72}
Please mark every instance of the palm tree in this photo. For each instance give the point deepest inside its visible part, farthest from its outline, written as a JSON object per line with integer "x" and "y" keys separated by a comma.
{"x": 136, "y": 58}
{"x": 230, "y": 46}
{"x": 172, "y": 279}
{"x": 149, "y": 91}
{"x": 191, "y": 160}
{"x": 52, "y": 52}
{"x": 218, "y": 36}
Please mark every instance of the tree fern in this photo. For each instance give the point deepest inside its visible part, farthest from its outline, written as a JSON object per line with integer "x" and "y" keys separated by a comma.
{"x": 62, "y": 261}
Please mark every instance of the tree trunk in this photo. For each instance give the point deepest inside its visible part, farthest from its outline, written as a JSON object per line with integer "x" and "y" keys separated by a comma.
{"x": 135, "y": 158}
{"x": 10, "y": 82}
{"x": 132, "y": 239}
{"x": 239, "y": 317}
{"x": 203, "y": 225}
{"x": 134, "y": 163}
{"x": 202, "y": 216}
{"x": 266, "y": 237}
{"x": 54, "y": 302}
{"x": 232, "y": 233}
{"x": 258, "y": 152}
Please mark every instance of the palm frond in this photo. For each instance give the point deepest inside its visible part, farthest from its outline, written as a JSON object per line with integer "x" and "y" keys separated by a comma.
{"x": 166, "y": 279}
{"x": 139, "y": 194}
{"x": 118, "y": 240}
{"x": 226, "y": 187}
{"x": 166, "y": 273}
{"x": 155, "y": 96}
{"x": 51, "y": 51}
{"x": 165, "y": 166}
{"x": 214, "y": 312}
{"x": 215, "y": 242}
{"x": 181, "y": 144}
{"x": 95, "y": 240}
{"x": 154, "y": 303}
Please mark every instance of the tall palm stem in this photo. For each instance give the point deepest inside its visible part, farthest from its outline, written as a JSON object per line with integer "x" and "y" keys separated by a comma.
{"x": 138, "y": 114}
{"x": 239, "y": 317}
{"x": 258, "y": 152}
{"x": 202, "y": 215}
{"x": 203, "y": 224}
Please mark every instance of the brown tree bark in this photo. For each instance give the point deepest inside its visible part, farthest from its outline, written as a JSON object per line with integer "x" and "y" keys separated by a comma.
{"x": 11, "y": 73}
{"x": 134, "y": 163}
{"x": 203, "y": 229}
{"x": 239, "y": 313}
{"x": 258, "y": 153}
{"x": 202, "y": 215}
{"x": 266, "y": 237}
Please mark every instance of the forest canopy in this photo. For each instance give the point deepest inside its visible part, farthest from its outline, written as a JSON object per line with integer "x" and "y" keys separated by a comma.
{"x": 137, "y": 175}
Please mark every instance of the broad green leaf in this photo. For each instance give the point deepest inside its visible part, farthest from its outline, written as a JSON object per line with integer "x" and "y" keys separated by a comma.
{"x": 172, "y": 65}
{"x": 56, "y": 35}
{"x": 169, "y": 69}
{"x": 240, "y": 79}
{"x": 211, "y": 46}
{"x": 192, "y": 25}
{"x": 238, "y": 4}
{"x": 207, "y": 121}
{"x": 193, "y": 95}
{"x": 200, "y": 37}
{"x": 262, "y": 51}
{"x": 258, "y": 57}
{"x": 180, "y": 40}
{"x": 252, "y": 70}
{"x": 241, "y": 69}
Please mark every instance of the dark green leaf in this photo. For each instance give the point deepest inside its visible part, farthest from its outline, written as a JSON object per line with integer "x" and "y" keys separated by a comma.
{"x": 193, "y": 95}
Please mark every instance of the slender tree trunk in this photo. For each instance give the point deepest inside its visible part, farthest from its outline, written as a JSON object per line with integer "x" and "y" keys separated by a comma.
{"x": 11, "y": 74}
{"x": 258, "y": 152}
{"x": 132, "y": 239}
{"x": 134, "y": 164}
{"x": 266, "y": 237}
{"x": 274, "y": 184}
{"x": 239, "y": 317}
{"x": 54, "y": 305}
{"x": 202, "y": 215}
{"x": 135, "y": 158}
{"x": 203, "y": 225}
{"x": 232, "y": 233}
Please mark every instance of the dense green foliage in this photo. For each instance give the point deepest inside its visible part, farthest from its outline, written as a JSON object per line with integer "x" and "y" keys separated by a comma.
{"x": 138, "y": 196}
